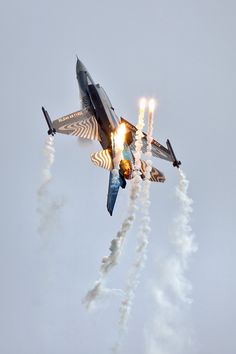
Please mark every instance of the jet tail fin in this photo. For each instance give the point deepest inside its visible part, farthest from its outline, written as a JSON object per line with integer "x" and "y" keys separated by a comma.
{"x": 115, "y": 182}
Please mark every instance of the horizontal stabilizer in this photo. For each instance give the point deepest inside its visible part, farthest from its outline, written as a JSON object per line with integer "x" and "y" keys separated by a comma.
{"x": 103, "y": 159}
{"x": 80, "y": 123}
{"x": 155, "y": 175}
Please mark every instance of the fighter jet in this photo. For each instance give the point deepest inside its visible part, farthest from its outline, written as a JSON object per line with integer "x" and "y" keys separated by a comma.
{"x": 97, "y": 120}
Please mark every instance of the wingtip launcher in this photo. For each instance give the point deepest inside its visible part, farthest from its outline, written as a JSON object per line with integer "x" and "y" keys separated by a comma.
{"x": 176, "y": 163}
{"x": 51, "y": 131}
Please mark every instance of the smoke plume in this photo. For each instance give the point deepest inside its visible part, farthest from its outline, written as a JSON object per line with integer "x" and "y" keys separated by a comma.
{"x": 116, "y": 247}
{"x": 48, "y": 207}
{"x": 142, "y": 241}
{"x": 49, "y": 152}
{"x": 172, "y": 294}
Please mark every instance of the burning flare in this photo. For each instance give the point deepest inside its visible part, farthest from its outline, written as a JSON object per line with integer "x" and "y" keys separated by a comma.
{"x": 151, "y": 105}
{"x": 118, "y": 140}
{"x": 142, "y": 104}
{"x": 120, "y": 137}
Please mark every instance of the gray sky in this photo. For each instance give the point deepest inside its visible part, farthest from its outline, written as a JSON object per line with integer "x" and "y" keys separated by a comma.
{"x": 183, "y": 54}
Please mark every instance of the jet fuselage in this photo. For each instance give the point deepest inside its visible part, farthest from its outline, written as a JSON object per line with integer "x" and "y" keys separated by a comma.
{"x": 94, "y": 97}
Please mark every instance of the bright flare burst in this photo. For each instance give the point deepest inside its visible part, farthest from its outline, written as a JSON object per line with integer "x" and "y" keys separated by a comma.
{"x": 118, "y": 140}
{"x": 120, "y": 137}
{"x": 142, "y": 104}
{"x": 151, "y": 108}
{"x": 151, "y": 105}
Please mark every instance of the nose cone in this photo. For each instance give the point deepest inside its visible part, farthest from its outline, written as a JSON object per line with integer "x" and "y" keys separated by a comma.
{"x": 79, "y": 66}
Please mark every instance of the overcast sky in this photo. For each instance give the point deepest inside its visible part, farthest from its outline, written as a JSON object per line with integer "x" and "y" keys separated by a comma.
{"x": 183, "y": 53}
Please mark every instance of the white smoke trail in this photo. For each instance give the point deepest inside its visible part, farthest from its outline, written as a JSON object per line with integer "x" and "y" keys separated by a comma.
{"x": 49, "y": 152}
{"x": 47, "y": 207}
{"x": 142, "y": 242}
{"x": 182, "y": 238}
{"x": 173, "y": 293}
{"x": 109, "y": 262}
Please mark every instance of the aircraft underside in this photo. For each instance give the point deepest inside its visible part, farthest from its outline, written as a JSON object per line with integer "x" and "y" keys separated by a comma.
{"x": 98, "y": 121}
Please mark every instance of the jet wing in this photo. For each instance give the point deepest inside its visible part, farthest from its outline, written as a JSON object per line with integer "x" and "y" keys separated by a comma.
{"x": 158, "y": 150}
{"x": 81, "y": 123}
